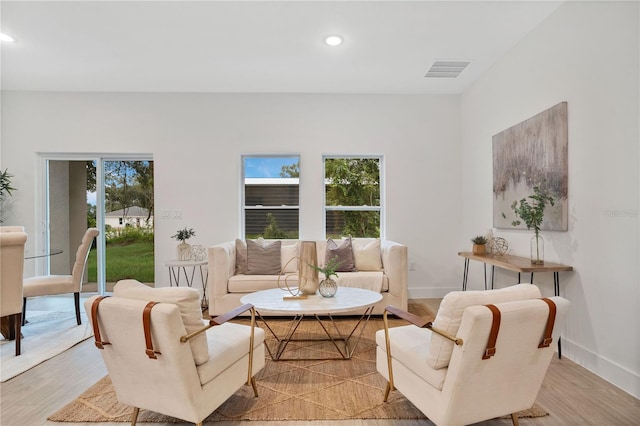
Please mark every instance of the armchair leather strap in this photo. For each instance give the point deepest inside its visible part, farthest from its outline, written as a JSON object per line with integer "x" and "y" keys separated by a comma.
{"x": 146, "y": 324}
{"x": 94, "y": 320}
{"x": 547, "y": 339}
{"x": 493, "y": 335}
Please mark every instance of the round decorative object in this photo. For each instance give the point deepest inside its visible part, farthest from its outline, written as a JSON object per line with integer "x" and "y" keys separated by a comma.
{"x": 328, "y": 287}
{"x": 198, "y": 253}
{"x": 498, "y": 245}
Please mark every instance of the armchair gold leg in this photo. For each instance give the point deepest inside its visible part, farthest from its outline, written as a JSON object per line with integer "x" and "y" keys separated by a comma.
{"x": 254, "y": 386}
{"x": 134, "y": 416}
{"x": 251, "y": 340}
{"x": 387, "y": 391}
{"x": 390, "y": 385}
{"x": 514, "y": 419}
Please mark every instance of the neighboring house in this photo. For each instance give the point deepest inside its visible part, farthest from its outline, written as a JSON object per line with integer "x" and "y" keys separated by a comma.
{"x": 131, "y": 216}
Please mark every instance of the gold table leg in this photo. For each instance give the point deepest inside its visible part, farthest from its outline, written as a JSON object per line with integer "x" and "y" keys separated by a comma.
{"x": 349, "y": 341}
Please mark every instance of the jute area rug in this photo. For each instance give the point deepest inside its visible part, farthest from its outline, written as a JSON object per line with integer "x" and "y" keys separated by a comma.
{"x": 288, "y": 390}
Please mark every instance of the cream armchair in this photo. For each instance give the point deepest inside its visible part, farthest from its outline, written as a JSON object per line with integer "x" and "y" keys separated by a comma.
{"x": 473, "y": 377}
{"x": 59, "y": 284}
{"x": 12, "y": 243}
{"x": 162, "y": 360}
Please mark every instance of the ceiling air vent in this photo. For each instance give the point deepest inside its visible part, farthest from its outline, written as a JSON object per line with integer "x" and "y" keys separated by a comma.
{"x": 447, "y": 69}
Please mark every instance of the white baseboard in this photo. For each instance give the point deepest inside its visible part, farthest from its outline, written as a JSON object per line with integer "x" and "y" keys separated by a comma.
{"x": 615, "y": 374}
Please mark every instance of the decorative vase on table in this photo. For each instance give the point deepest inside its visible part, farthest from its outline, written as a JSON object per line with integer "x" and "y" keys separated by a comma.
{"x": 328, "y": 287}
{"x": 537, "y": 249}
{"x": 308, "y": 280}
{"x": 184, "y": 251}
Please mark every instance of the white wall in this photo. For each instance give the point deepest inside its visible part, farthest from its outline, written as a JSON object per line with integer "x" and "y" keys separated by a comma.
{"x": 586, "y": 53}
{"x": 197, "y": 141}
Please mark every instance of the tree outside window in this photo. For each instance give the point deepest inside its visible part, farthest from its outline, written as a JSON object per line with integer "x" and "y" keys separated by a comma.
{"x": 352, "y": 196}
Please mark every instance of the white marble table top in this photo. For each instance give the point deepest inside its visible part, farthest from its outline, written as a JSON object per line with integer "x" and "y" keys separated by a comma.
{"x": 346, "y": 299}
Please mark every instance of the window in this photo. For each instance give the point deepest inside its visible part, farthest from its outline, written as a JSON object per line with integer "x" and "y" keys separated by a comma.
{"x": 271, "y": 196}
{"x": 353, "y": 196}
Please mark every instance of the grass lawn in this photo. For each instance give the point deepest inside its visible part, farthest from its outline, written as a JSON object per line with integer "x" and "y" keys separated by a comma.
{"x": 125, "y": 261}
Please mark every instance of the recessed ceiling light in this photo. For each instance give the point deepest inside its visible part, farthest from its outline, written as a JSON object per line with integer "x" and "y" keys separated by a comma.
{"x": 333, "y": 40}
{"x": 7, "y": 38}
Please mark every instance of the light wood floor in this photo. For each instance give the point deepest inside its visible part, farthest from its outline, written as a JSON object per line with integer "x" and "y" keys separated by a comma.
{"x": 571, "y": 394}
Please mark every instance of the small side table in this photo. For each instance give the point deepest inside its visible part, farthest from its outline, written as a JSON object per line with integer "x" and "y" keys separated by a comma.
{"x": 179, "y": 267}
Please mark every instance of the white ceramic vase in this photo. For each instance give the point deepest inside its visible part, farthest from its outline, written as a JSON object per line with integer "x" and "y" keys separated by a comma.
{"x": 183, "y": 251}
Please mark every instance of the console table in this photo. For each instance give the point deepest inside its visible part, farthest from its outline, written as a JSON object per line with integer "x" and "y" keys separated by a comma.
{"x": 516, "y": 264}
{"x": 512, "y": 263}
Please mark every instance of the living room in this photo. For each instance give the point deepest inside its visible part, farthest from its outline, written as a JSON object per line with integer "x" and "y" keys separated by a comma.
{"x": 437, "y": 150}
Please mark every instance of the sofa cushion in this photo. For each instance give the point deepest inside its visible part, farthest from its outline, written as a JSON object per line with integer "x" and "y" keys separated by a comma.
{"x": 289, "y": 257}
{"x": 251, "y": 283}
{"x": 241, "y": 257}
{"x": 366, "y": 253}
{"x": 368, "y": 280}
{"x": 452, "y": 307}
{"x": 263, "y": 257}
{"x": 343, "y": 251}
{"x": 188, "y": 301}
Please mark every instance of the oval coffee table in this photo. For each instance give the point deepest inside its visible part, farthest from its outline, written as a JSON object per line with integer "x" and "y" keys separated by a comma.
{"x": 347, "y": 300}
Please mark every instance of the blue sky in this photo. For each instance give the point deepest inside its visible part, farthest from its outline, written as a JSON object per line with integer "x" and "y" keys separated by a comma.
{"x": 262, "y": 167}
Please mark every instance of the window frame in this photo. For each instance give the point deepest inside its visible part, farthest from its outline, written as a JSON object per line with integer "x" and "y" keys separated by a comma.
{"x": 243, "y": 185}
{"x": 380, "y": 208}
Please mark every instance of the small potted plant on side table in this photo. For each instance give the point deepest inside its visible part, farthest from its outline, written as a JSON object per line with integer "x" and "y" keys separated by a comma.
{"x": 479, "y": 244}
{"x": 184, "y": 249}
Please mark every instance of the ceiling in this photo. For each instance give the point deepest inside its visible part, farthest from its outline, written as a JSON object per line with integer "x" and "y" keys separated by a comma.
{"x": 258, "y": 46}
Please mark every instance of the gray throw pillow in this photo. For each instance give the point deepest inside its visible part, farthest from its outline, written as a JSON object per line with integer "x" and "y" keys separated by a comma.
{"x": 343, "y": 251}
{"x": 241, "y": 257}
{"x": 263, "y": 259}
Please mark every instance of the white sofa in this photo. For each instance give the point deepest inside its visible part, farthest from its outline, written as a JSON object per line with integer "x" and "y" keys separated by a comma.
{"x": 225, "y": 287}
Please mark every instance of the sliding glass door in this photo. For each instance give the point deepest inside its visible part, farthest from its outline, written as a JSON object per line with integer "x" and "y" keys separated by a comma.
{"x": 111, "y": 193}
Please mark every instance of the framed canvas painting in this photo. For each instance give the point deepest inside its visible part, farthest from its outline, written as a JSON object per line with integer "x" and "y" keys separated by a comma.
{"x": 533, "y": 152}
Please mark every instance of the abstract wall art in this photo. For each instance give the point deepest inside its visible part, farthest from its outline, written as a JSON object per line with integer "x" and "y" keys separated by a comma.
{"x": 533, "y": 152}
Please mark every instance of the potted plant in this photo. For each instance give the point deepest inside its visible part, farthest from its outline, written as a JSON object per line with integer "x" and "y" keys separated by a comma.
{"x": 532, "y": 214}
{"x": 328, "y": 287}
{"x": 5, "y": 185}
{"x": 184, "y": 249}
{"x": 479, "y": 244}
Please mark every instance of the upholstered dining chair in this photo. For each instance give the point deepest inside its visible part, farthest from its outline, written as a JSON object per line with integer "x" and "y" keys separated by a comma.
{"x": 11, "y": 272}
{"x": 484, "y": 356}
{"x": 11, "y": 228}
{"x": 162, "y": 357}
{"x": 47, "y": 285}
